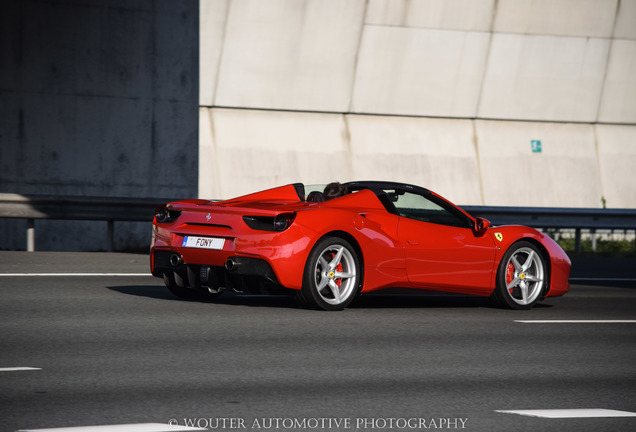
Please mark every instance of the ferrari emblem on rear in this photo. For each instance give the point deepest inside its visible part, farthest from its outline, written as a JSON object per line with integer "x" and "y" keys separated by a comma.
{"x": 208, "y": 217}
{"x": 499, "y": 236}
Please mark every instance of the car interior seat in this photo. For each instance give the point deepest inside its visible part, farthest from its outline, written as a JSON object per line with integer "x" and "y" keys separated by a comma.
{"x": 315, "y": 196}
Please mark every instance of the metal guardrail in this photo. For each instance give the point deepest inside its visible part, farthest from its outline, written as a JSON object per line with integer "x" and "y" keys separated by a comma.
{"x": 32, "y": 207}
{"x": 550, "y": 217}
{"x": 110, "y": 210}
{"x": 578, "y": 219}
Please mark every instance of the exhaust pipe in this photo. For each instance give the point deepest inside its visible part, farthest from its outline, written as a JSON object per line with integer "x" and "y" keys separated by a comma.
{"x": 176, "y": 260}
{"x": 231, "y": 264}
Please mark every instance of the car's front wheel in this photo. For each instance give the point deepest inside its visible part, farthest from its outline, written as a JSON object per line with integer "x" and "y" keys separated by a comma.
{"x": 332, "y": 275}
{"x": 521, "y": 276}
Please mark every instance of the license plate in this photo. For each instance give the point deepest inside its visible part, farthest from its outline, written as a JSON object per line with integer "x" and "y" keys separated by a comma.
{"x": 203, "y": 242}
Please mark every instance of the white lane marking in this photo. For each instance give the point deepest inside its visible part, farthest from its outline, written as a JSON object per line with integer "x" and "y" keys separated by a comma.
{"x": 138, "y": 427}
{"x": 570, "y": 413}
{"x": 575, "y": 321}
{"x": 13, "y": 369}
{"x": 73, "y": 274}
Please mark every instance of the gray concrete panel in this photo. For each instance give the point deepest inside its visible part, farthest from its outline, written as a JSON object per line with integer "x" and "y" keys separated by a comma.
{"x": 565, "y": 173}
{"x": 209, "y": 179}
{"x": 544, "y": 78}
{"x": 438, "y": 154}
{"x": 212, "y": 18}
{"x": 419, "y": 71}
{"x": 470, "y": 162}
{"x": 76, "y": 149}
{"x": 175, "y": 54}
{"x": 252, "y": 150}
{"x": 172, "y": 168}
{"x": 625, "y": 27}
{"x": 90, "y": 82}
{"x": 618, "y": 104}
{"x": 617, "y": 159}
{"x": 10, "y": 15}
{"x": 470, "y": 15}
{"x": 288, "y": 54}
{"x": 547, "y": 62}
{"x": 86, "y": 49}
{"x": 585, "y": 18}
{"x": 11, "y": 131}
{"x": 13, "y": 234}
{"x": 98, "y": 98}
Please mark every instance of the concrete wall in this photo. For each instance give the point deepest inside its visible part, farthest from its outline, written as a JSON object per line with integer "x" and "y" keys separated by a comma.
{"x": 448, "y": 94}
{"x": 99, "y": 97}
{"x": 103, "y": 97}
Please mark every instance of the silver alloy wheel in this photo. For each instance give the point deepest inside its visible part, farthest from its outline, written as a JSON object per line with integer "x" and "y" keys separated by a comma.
{"x": 335, "y": 274}
{"x": 524, "y": 276}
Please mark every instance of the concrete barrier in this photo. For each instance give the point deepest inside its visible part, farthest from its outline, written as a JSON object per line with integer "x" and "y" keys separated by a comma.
{"x": 437, "y": 153}
{"x": 559, "y": 18}
{"x": 477, "y": 162}
{"x": 544, "y": 78}
{"x": 617, "y": 159}
{"x": 565, "y": 173}
{"x": 618, "y": 104}
{"x": 287, "y": 54}
{"x": 248, "y": 150}
{"x": 470, "y": 15}
{"x": 419, "y": 71}
{"x": 100, "y": 98}
{"x": 447, "y": 94}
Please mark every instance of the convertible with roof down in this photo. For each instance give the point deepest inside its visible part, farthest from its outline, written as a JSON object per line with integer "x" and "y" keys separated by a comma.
{"x": 328, "y": 245}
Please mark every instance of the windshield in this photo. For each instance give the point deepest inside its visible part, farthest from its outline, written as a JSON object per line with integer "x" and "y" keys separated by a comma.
{"x": 314, "y": 188}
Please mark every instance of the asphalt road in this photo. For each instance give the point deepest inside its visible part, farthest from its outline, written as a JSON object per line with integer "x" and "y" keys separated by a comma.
{"x": 115, "y": 349}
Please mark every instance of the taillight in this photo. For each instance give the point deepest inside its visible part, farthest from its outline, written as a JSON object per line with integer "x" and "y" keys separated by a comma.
{"x": 270, "y": 223}
{"x": 283, "y": 221}
{"x": 164, "y": 215}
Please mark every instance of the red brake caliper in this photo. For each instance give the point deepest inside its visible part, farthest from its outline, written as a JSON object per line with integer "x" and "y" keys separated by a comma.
{"x": 510, "y": 274}
{"x": 338, "y": 268}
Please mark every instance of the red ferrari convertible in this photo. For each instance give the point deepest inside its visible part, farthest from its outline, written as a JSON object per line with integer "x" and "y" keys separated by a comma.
{"x": 326, "y": 246}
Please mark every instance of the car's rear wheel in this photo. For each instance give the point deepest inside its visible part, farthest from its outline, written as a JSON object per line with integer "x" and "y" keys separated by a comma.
{"x": 521, "y": 276}
{"x": 332, "y": 275}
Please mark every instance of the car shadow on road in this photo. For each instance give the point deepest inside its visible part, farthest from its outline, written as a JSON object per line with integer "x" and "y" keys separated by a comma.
{"x": 156, "y": 292}
{"x": 381, "y": 300}
{"x": 228, "y": 298}
{"x": 423, "y": 300}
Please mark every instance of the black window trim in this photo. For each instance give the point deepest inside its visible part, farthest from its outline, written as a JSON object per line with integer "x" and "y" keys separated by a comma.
{"x": 378, "y": 187}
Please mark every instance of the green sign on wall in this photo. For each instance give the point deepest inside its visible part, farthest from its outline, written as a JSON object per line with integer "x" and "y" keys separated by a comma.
{"x": 536, "y": 146}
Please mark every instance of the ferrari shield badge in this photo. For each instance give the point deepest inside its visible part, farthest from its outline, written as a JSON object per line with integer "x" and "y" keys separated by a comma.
{"x": 499, "y": 236}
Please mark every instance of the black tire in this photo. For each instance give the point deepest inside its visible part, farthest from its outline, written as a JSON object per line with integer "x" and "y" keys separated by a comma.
{"x": 521, "y": 277}
{"x": 332, "y": 276}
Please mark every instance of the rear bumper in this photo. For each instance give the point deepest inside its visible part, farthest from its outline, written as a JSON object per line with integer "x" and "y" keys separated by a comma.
{"x": 240, "y": 274}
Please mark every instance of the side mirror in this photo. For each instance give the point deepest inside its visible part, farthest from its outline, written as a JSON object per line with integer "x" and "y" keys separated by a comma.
{"x": 481, "y": 225}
